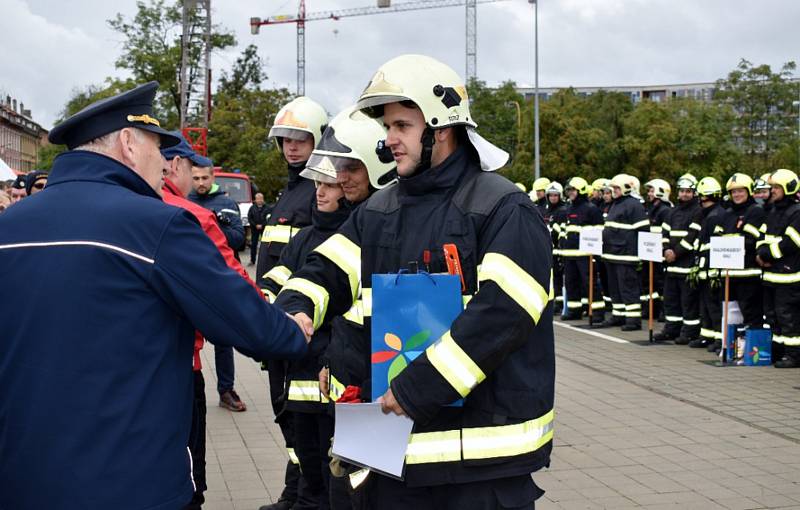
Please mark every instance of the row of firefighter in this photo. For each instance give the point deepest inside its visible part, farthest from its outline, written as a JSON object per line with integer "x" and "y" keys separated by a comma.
{"x": 688, "y": 293}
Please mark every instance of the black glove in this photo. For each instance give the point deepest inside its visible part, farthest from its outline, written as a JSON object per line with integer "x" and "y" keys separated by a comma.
{"x": 223, "y": 219}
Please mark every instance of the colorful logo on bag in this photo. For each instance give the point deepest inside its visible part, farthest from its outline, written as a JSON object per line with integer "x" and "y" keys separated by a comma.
{"x": 402, "y": 353}
{"x": 754, "y": 354}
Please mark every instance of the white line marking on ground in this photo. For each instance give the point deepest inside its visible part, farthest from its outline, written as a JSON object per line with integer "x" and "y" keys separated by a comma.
{"x": 592, "y": 333}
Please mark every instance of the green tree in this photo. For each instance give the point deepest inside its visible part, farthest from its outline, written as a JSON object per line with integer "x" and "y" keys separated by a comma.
{"x": 247, "y": 73}
{"x": 151, "y": 50}
{"x": 765, "y": 120}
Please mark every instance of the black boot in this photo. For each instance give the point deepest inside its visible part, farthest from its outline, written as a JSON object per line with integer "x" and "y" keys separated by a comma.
{"x": 787, "y": 362}
{"x": 634, "y": 325}
{"x": 699, "y": 342}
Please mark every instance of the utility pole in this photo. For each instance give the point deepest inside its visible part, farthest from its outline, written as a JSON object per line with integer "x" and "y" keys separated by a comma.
{"x": 537, "y": 170}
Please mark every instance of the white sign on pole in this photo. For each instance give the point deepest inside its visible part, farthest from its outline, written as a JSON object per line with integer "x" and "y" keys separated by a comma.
{"x": 727, "y": 252}
{"x": 591, "y": 241}
{"x": 649, "y": 247}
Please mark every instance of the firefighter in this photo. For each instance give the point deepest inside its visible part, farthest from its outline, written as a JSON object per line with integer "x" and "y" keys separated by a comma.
{"x": 555, "y": 217}
{"x": 679, "y": 231}
{"x": 580, "y": 213}
{"x": 296, "y": 130}
{"x": 347, "y": 149}
{"x": 620, "y": 241}
{"x": 745, "y": 220}
{"x": 779, "y": 255}
{"x": 761, "y": 192}
{"x": 713, "y": 219}
{"x": 602, "y": 270}
{"x": 538, "y": 189}
{"x": 482, "y": 454}
{"x": 657, "y": 207}
{"x": 597, "y": 191}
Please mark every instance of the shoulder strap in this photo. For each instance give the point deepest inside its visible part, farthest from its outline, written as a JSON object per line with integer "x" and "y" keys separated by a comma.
{"x": 384, "y": 200}
{"x": 481, "y": 193}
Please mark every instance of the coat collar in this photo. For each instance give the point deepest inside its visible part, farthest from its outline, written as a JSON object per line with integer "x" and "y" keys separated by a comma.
{"x": 76, "y": 166}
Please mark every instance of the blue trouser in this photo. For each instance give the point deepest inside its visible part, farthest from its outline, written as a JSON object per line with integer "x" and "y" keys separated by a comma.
{"x": 223, "y": 356}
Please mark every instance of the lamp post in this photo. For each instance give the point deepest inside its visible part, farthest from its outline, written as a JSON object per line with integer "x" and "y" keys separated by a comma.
{"x": 519, "y": 122}
{"x": 535, "y": 3}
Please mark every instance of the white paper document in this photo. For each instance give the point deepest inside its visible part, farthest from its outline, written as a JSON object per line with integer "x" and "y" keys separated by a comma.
{"x": 366, "y": 437}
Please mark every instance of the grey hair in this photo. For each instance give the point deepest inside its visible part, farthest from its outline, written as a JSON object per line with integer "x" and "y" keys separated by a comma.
{"x": 105, "y": 144}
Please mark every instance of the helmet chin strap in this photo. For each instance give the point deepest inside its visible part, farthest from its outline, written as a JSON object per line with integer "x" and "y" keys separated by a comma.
{"x": 427, "y": 150}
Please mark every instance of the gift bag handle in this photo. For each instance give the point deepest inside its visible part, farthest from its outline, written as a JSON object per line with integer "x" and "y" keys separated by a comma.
{"x": 406, "y": 271}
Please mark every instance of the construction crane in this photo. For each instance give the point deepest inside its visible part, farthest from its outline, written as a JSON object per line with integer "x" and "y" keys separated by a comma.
{"x": 195, "y": 80}
{"x": 382, "y": 7}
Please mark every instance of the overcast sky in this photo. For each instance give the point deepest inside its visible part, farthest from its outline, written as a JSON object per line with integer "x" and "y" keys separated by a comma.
{"x": 51, "y": 46}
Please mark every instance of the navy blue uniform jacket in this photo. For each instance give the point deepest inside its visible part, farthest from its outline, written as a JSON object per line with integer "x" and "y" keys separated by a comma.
{"x": 104, "y": 285}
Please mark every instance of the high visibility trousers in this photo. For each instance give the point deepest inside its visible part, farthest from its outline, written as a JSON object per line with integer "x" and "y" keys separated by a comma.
{"x": 787, "y": 315}
{"x": 517, "y": 493}
{"x": 710, "y": 311}
{"x": 681, "y": 307}
{"x": 313, "y": 434}
{"x": 747, "y": 292}
{"x": 576, "y": 280}
{"x": 625, "y": 292}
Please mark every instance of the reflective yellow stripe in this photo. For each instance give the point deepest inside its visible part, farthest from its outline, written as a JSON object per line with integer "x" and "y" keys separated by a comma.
{"x": 686, "y": 245}
{"x": 316, "y": 293}
{"x": 292, "y": 456}
{"x": 792, "y": 341}
{"x": 673, "y": 318}
{"x": 366, "y": 301}
{"x": 466, "y": 300}
{"x": 551, "y": 295}
{"x": 753, "y": 231}
{"x": 356, "y": 313}
{"x": 666, "y": 226}
{"x": 678, "y": 233}
{"x": 573, "y": 304}
{"x": 775, "y": 250}
{"x": 626, "y": 226}
{"x": 278, "y": 233}
{"x": 793, "y": 235}
{"x": 358, "y": 477}
{"x": 347, "y": 255}
{"x": 573, "y": 253}
{"x": 269, "y": 295}
{"x": 514, "y": 281}
{"x": 335, "y": 388}
{"x": 304, "y": 391}
{"x": 279, "y": 274}
{"x": 691, "y": 322}
{"x": 620, "y": 258}
{"x": 507, "y": 440}
{"x": 710, "y": 333}
{"x": 744, "y": 272}
{"x": 678, "y": 270}
{"x": 427, "y": 447}
{"x": 455, "y": 365}
{"x": 696, "y": 226}
{"x": 655, "y": 229}
{"x": 781, "y": 277}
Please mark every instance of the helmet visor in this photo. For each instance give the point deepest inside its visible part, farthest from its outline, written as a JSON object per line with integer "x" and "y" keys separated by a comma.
{"x": 325, "y": 167}
{"x": 291, "y": 133}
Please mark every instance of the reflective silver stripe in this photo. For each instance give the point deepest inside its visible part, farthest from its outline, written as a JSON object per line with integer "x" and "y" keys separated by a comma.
{"x": 673, "y": 318}
{"x": 304, "y": 391}
{"x": 626, "y": 226}
{"x": 678, "y": 233}
{"x": 744, "y": 272}
{"x": 572, "y": 253}
{"x": 93, "y": 244}
{"x": 691, "y": 322}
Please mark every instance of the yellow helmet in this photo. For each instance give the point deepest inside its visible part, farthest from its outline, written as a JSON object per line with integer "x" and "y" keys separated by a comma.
{"x": 298, "y": 119}
{"x": 786, "y": 179}
{"x": 709, "y": 186}
{"x": 623, "y": 182}
{"x": 739, "y": 181}
{"x": 352, "y": 137}
{"x": 439, "y": 93}
{"x": 521, "y": 187}
{"x": 661, "y": 188}
{"x": 579, "y": 184}
{"x": 541, "y": 184}
{"x": 600, "y": 184}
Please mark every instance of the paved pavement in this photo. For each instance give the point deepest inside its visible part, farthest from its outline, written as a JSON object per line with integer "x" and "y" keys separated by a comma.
{"x": 637, "y": 426}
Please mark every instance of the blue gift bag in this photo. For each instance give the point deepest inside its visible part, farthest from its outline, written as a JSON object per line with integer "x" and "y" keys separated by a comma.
{"x": 758, "y": 347}
{"x": 409, "y": 313}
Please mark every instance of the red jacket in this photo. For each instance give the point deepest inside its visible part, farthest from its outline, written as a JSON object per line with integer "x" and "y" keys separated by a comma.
{"x": 208, "y": 221}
